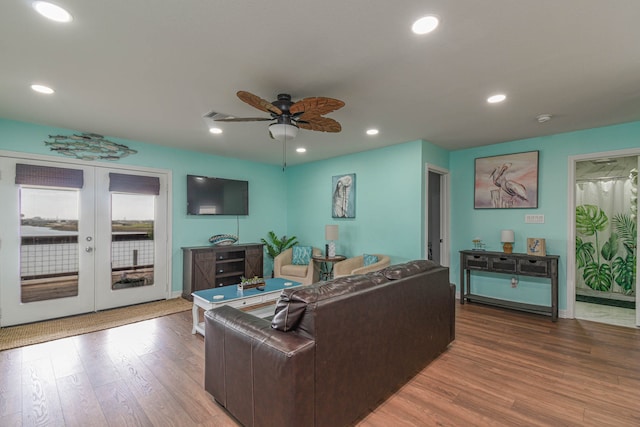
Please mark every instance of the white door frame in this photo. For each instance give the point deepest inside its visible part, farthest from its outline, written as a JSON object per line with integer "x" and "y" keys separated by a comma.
{"x": 571, "y": 221}
{"x": 164, "y": 276}
{"x": 444, "y": 212}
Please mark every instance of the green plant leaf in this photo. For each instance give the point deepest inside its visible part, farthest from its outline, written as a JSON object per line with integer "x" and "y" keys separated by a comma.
{"x": 584, "y": 252}
{"x": 598, "y": 276}
{"x": 276, "y": 245}
{"x": 590, "y": 219}
{"x": 610, "y": 247}
{"x": 624, "y": 271}
{"x": 627, "y": 230}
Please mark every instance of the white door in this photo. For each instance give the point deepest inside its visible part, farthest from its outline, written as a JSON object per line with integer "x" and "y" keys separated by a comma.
{"x": 66, "y": 245}
{"x": 132, "y": 264}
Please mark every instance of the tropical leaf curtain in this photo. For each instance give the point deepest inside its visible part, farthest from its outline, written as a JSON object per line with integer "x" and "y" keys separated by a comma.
{"x": 606, "y": 236}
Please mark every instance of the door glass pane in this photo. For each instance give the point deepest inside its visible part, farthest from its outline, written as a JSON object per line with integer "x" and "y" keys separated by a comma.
{"x": 49, "y": 243}
{"x": 132, "y": 246}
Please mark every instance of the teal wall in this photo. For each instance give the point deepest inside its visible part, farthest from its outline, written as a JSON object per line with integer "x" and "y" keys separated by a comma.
{"x": 267, "y": 200}
{"x": 389, "y": 202}
{"x": 555, "y": 150}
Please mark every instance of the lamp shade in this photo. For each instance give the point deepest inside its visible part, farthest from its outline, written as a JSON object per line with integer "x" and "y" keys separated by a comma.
{"x": 507, "y": 236}
{"x": 331, "y": 232}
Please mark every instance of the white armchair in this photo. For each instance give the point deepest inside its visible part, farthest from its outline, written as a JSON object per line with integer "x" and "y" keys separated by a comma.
{"x": 355, "y": 265}
{"x": 305, "y": 274}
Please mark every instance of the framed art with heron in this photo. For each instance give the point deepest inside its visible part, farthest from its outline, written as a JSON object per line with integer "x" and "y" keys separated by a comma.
{"x": 506, "y": 181}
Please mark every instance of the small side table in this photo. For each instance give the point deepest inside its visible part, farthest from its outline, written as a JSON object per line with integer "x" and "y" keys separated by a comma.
{"x": 326, "y": 265}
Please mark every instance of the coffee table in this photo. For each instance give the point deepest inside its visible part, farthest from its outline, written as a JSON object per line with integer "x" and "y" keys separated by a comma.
{"x": 229, "y": 295}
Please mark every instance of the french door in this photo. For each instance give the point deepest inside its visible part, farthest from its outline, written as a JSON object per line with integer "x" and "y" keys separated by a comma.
{"x": 76, "y": 238}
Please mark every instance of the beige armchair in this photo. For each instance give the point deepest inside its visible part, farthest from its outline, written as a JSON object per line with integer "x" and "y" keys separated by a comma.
{"x": 305, "y": 274}
{"x": 355, "y": 265}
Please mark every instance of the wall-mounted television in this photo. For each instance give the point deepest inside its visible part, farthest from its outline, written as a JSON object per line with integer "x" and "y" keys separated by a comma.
{"x": 217, "y": 196}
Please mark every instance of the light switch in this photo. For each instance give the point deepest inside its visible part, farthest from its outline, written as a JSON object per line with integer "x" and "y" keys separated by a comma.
{"x": 534, "y": 219}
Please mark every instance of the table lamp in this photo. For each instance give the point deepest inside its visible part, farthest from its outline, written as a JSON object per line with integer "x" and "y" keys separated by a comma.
{"x": 507, "y": 237}
{"x": 331, "y": 234}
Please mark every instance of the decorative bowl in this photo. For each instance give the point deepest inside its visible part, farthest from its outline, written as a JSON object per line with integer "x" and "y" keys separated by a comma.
{"x": 223, "y": 239}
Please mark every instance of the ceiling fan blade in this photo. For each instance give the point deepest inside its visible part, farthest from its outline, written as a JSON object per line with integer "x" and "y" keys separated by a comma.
{"x": 316, "y": 106}
{"x": 244, "y": 119}
{"x": 319, "y": 123}
{"x": 259, "y": 103}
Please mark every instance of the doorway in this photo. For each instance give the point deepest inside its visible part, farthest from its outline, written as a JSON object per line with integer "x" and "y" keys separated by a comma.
{"x": 601, "y": 274}
{"x": 436, "y": 215}
{"x": 78, "y": 238}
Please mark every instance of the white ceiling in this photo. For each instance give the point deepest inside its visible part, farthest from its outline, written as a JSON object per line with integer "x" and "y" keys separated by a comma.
{"x": 149, "y": 70}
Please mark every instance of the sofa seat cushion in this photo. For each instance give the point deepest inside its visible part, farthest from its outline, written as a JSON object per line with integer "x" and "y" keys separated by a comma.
{"x": 294, "y": 270}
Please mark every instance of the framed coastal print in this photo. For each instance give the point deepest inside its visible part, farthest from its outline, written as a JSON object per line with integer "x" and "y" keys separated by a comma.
{"x": 506, "y": 181}
{"x": 536, "y": 246}
{"x": 343, "y": 196}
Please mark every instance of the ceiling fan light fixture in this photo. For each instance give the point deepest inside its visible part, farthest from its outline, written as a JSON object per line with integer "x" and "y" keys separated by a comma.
{"x": 215, "y": 131}
{"x": 283, "y": 131}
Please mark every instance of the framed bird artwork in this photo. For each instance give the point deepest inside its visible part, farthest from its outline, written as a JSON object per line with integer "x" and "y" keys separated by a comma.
{"x": 507, "y": 181}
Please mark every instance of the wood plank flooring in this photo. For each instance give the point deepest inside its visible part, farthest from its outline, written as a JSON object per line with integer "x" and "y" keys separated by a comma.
{"x": 505, "y": 369}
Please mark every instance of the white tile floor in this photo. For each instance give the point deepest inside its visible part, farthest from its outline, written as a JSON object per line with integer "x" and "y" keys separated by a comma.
{"x": 606, "y": 314}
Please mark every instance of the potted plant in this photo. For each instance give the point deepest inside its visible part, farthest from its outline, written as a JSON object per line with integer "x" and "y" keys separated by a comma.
{"x": 276, "y": 245}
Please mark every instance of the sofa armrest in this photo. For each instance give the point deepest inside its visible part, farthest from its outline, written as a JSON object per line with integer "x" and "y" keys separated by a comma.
{"x": 256, "y": 372}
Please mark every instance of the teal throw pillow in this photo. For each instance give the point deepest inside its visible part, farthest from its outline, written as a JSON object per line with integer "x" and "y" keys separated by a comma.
{"x": 301, "y": 255}
{"x": 369, "y": 259}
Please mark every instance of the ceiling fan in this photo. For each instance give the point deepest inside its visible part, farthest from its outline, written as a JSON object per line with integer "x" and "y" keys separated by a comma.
{"x": 289, "y": 116}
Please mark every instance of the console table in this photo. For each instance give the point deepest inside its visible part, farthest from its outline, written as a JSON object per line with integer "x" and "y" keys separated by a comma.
{"x": 512, "y": 264}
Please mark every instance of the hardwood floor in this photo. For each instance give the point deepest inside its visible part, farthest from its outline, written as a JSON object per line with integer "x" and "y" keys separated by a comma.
{"x": 505, "y": 368}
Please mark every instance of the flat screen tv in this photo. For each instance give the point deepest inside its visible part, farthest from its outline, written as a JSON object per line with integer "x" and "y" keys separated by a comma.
{"x": 217, "y": 196}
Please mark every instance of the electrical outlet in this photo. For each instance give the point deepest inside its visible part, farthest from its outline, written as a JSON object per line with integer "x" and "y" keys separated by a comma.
{"x": 514, "y": 282}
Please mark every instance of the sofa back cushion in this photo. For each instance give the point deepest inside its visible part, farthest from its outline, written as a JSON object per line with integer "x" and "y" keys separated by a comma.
{"x": 294, "y": 303}
{"x": 411, "y": 268}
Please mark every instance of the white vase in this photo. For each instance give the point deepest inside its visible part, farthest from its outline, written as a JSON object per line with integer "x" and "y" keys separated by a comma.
{"x": 332, "y": 249}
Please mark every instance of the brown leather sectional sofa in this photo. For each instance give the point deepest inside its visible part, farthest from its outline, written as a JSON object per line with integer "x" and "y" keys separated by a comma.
{"x": 334, "y": 350}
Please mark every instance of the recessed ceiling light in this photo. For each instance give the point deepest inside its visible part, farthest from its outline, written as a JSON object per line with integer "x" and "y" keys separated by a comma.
{"x": 372, "y": 131}
{"x": 215, "y": 130}
{"x": 301, "y": 150}
{"x": 493, "y": 99}
{"x": 42, "y": 89}
{"x": 52, "y": 11}
{"x": 425, "y": 24}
